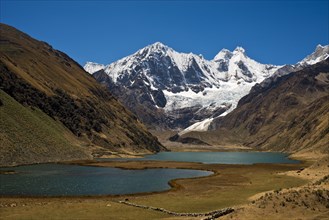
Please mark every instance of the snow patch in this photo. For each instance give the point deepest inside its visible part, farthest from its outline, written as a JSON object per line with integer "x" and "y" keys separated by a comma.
{"x": 198, "y": 126}
{"x": 91, "y": 67}
{"x": 320, "y": 53}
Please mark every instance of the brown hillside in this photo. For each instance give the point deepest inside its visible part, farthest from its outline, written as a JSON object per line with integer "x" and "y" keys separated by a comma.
{"x": 290, "y": 114}
{"x": 38, "y": 76}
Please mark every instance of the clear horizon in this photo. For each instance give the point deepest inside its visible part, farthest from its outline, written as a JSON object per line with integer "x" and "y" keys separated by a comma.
{"x": 273, "y": 32}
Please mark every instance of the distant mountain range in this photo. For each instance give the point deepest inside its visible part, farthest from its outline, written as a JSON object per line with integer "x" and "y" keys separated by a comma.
{"x": 167, "y": 89}
{"x": 289, "y": 114}
{"x": 52, "y": 110}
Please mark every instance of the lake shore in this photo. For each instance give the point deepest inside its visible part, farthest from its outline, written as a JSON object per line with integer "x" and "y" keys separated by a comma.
{"x": 229, "y": 186}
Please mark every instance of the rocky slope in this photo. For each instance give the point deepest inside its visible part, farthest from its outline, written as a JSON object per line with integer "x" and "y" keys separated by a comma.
{"x": 44, "y": 80}
{"x": 168, "y": 89}
{"x": 289, "y": 114}
{"x": 321, "y": 53}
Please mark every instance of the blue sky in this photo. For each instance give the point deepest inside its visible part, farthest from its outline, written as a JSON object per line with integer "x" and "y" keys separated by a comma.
{"x": 276, "y": 32}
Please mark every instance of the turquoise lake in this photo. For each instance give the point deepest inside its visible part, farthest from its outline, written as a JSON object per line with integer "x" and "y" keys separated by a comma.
{"x": 73, "y": 180}
{"x": 216, "y": 157}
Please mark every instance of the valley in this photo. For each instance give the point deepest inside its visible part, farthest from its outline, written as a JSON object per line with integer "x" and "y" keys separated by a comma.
{"x": 214, "y": 134}
{"x": 231, "y": 186}
{"x": 251, "y": 190}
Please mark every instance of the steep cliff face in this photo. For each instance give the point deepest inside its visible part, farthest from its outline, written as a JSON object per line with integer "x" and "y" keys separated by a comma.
{"x": 288, "y": 114}
{"x": 39, "y": 77}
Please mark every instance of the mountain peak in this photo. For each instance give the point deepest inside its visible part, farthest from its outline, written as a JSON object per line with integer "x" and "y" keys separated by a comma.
{"x": 224, "y": 54}
{"x": 92, "y": 63}
{"x": 319, "y": 47}
{"x": 239, "y": 50}
{"x": 158, "y": 46}
{"x": 92, "y": 67}
{"x": 320, "y": 53}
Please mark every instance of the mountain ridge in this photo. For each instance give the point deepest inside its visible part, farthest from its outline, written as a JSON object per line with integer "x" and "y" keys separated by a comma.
{"x": 171, "y": 90}
{"x": 39, "y": 77}
{"x": 180, "y": 86}
{"x": 290, "y": 114}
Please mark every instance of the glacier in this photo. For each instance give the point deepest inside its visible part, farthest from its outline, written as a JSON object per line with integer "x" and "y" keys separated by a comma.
{"x": 187, "y": 80}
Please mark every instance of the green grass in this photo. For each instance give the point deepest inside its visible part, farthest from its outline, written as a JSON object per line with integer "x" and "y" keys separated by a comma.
{"x": 29, "y": 135}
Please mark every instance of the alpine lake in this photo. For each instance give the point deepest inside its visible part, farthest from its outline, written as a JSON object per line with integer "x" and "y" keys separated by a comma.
{"x": 76, "y": 180}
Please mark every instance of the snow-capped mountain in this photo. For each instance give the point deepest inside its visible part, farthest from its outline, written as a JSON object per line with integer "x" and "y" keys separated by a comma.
{"x": 91, "y": 67}
{"x": 166, "y": 69}
{"x": 170, "y": 89}
{"x": 320, "y": 53}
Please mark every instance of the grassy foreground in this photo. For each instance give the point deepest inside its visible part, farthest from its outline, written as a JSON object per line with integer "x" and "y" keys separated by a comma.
{"x": 231, "y": 185}
{"x": 25, "y": 136}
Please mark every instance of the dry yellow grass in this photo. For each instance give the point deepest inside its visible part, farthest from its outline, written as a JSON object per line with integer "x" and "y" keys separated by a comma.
{"x": 232, "y": 185}
{"x": 39, "y": 76}
{"x": 309, "y": 201}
